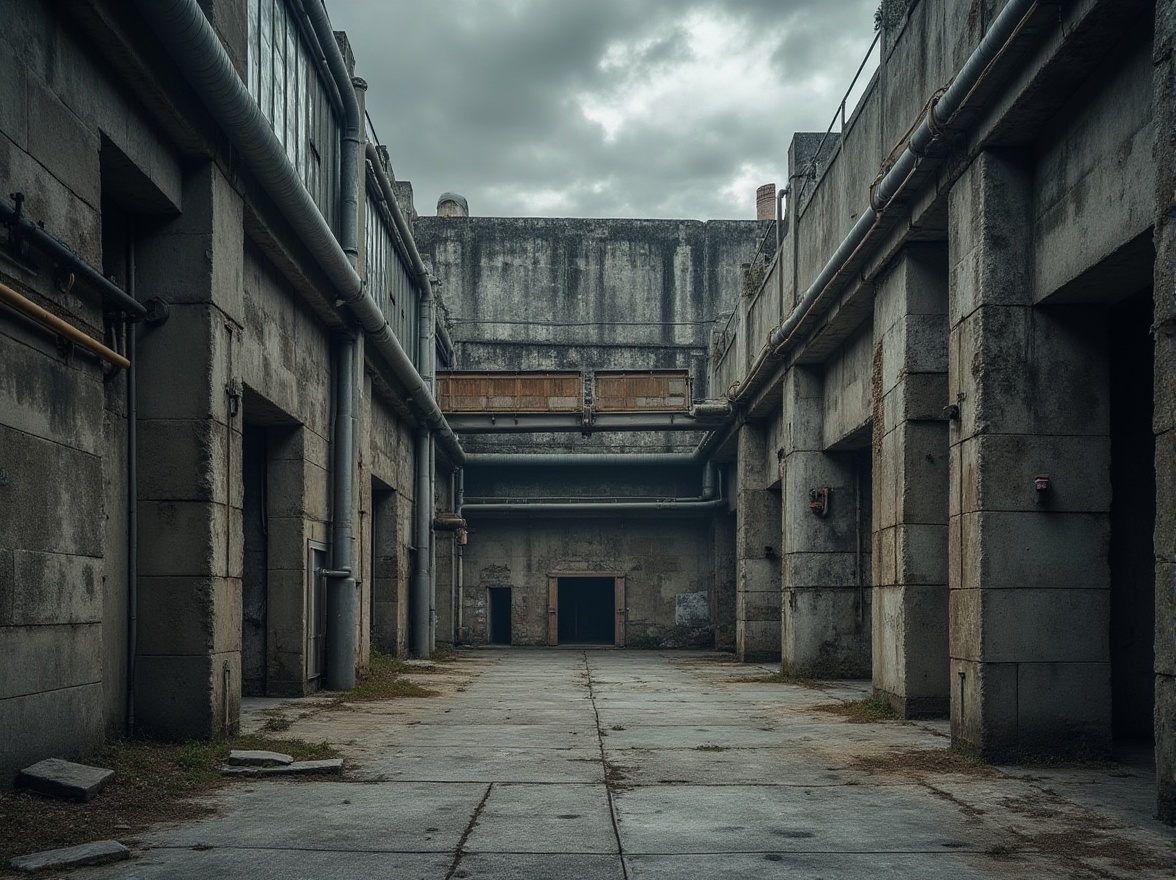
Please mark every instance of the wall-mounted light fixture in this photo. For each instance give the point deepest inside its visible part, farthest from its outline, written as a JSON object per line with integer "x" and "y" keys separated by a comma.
{"x": 1041, "y": 483}
{"x": 819, "y": 501}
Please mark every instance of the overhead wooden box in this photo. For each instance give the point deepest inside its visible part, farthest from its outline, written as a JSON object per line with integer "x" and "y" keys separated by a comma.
{"x": 513, "y": 392}
{"x": 648, "y": 391}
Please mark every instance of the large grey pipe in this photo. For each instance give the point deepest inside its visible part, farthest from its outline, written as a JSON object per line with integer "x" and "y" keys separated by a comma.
{"x": 422, "y": 529}
{"x": 582, "y": 459}
{"x": 925, "y": 134}
{"x": 194, "y": 46}
{"x": 342, "y": 603}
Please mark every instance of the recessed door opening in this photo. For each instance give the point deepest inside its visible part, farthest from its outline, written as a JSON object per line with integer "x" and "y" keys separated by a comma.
{"x": 500, "y": 615}
{"x": 1133, "y": 519}
{"x": 587, "y": 608}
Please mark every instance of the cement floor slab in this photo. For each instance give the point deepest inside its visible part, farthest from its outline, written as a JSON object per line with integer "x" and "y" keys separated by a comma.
{"x": 551, "y": 764}
{"x": 522, "y": 818}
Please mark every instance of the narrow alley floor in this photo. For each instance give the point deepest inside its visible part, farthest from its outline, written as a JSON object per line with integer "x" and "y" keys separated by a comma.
{"x": 624, "y": 764}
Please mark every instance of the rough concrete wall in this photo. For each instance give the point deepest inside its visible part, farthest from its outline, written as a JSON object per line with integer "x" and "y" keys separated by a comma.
{"x": 663, "y": 557}
{"x": 1028, "y": 573}
{"x": 848, "y": 391}
{"x": 910, "y": 614}
{"x": 595, "y": 294}
{"x": 1094, "y": 174}
{"x": 1164, "y": 83}
{"x": 757, "y": 546}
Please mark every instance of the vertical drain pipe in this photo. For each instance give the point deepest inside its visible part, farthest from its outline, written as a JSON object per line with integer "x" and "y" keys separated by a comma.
{"x": 419, "y": 593}
{"x": 342, "y": 602}
{"x": 459, "y": 602}
{"x": 132, "y": 489}
{"x": 432, "y": 545}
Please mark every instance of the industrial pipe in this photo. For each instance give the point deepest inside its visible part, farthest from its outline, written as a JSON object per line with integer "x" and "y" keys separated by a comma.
{"x": 342, "y": 603}
{"x": 50, "y": 321}
{"x": 928, "y": 131}
{"x": 422, "y": 529}
{"x": 577, "y": 459}
{"x": 191, "y": 42}
{"x": 130, "y": 329}
{"x": 24, "y": 228}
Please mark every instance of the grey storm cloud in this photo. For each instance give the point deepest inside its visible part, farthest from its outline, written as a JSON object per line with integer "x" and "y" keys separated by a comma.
{"x": 626, "y": 108}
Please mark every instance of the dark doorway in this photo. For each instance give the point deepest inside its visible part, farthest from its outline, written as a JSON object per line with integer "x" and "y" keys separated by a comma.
{"x": 500, "y": 615}
{"x": 1133, "y": 519}
{"x": 255, "y": 568}
{"x": 587, "y": 606}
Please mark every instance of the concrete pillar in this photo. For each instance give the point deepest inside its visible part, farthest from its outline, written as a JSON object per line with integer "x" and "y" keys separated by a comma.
{"x": 1028, "y": 572}
{"x": 910, "y": 659}
{"x": 1165, "y": 408}
{"x": 757, "y": 547}
{"x": 726, "y": 576}
{"x": 825, "y": 624}
{"x": 188, "y": 681}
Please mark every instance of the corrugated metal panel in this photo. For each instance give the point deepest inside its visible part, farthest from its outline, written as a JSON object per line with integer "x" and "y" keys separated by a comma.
{"x": 510, "y": 392}
{"x": 651, "y": 391}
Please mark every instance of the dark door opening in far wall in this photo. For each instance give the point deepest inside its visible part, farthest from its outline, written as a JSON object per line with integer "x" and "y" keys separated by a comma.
{"x": 500, "y": 616}
{"x": 587, "y": 610}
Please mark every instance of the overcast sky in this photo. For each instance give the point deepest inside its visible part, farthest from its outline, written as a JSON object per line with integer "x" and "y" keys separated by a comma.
{"x": 601, "y": 108}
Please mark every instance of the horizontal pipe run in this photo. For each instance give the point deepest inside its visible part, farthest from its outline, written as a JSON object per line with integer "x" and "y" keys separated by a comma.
{"x": 692, "y": 505}
{"x": 574, "y": 459}
{"x": 49, "y": 320}
{"x": 574, "y": 423}
{"x": 26, "y": 229}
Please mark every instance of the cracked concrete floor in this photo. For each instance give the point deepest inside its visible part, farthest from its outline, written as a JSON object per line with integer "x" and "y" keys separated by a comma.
{"x": 623, "y": 764}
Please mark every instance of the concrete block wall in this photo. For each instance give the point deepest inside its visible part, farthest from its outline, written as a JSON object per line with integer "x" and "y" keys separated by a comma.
{"x": 662, "y": 556}
{"x": 1164, "y": 86}
{"x": 757, "y": 547}
{"x": 825, "y": 619}
{"x": 910, "y": 480}
{"x": 1028, "y": 570}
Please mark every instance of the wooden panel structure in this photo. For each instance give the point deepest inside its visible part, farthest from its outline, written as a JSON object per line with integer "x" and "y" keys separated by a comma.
{"x": 515, "y": 392}
{"x": 645, "y": 391}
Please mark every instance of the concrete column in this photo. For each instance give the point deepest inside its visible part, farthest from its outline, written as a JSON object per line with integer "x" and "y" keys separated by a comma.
{"x": 910, "y": 659}
{"x": 825, "y": 626}
{"x": 757, "y": 547}
{"x": 1165, "y": 408}
{"x": 188, "y": 681}
{"x": 1028, "y": 572}
{"x": 726, "y": 576}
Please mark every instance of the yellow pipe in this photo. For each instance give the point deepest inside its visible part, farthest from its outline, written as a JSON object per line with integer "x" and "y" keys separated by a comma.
{"x": 47, "y": 319}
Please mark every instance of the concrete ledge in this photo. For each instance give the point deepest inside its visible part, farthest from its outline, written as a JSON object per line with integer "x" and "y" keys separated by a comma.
{"x": 101, "y": 852}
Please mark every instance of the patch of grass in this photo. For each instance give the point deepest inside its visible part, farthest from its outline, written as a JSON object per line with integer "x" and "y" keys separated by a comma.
{"x": 710, "y": 748}
{"x": 780, "y": 678}
{"x": 384, "y": 680}
{"x": 154, "y": 783}
{"x": 866, "y": 711}
{"x": 920, "y": 762}
{"x": 277, "y": 722}
{"x": 443, "y": 654}
{"x": 617, "y": 727}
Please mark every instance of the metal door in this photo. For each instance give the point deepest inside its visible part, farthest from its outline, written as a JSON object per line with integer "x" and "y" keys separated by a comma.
{"x": 619, "y": 594}
{"x": 553, "y": 611}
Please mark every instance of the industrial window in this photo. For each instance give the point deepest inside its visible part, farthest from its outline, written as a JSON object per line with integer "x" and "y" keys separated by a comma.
{"x": 298, "y": 99}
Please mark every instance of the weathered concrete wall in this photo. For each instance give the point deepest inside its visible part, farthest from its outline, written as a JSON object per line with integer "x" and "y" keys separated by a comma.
{"x": 112, "y": 167}
{"x": 557, "y": 294}
{"x": 1043, "y": 203}
{"x": 668, "y": 562}
{"x": 1164, "y": 85}
{"x": 909, "y": 375}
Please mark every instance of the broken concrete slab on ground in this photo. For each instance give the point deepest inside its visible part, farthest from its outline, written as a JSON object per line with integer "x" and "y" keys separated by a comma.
{"x": 101, "y": 852}
{"x": 258, "y": 758}
{"x": 56, "y": 777}
{"x": 295, "y": 768}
